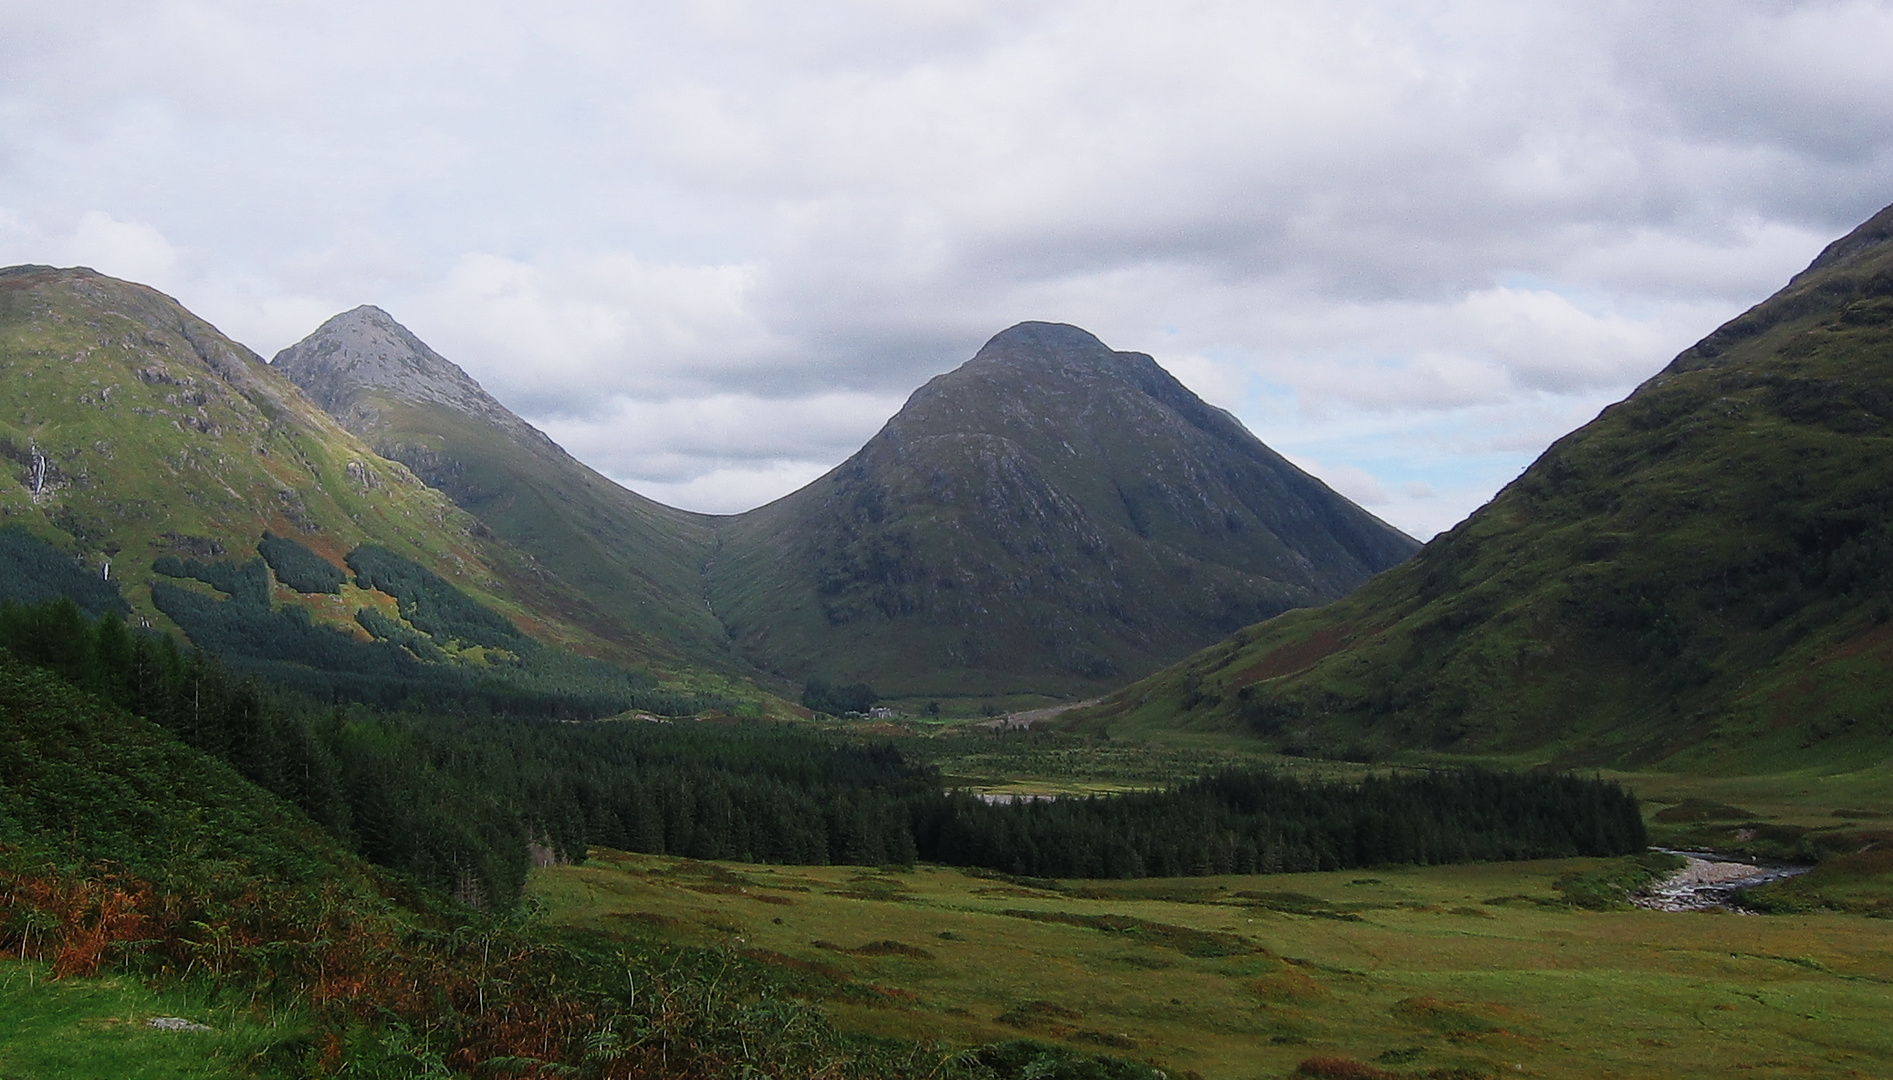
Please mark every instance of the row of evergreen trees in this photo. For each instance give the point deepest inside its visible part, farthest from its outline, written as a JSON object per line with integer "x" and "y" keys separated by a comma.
{"x": 1247, "y": 821}
{"x": 453, "y": 801}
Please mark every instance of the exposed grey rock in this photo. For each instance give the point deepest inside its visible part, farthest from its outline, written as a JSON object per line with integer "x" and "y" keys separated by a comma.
{"x": 365, "y": 349}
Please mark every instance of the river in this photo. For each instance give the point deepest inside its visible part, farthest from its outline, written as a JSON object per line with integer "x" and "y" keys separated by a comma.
{"x": 1708, "y": 880}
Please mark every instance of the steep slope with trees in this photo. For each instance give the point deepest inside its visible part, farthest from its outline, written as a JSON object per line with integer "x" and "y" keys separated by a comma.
{"x": 1703, "y": 573}
{"x": 641, "y": 562}
{"x": 161, "y": 458}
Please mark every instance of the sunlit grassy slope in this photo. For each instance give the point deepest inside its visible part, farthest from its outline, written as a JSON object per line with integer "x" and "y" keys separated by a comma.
{"x": 1483, "y": 968}
{"x": 131, "y": 430}
{"x": 1702, "y": 576}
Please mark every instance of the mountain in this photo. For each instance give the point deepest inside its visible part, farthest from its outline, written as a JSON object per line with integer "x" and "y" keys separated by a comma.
{"x": 640, "y": 562}
{"x": 193, "y": 487}
{"x": 1703, "y": 574}
{"x": 1052, "y": 517}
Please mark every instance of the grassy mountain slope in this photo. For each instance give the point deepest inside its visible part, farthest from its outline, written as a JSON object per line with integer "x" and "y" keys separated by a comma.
{"x": 151, "y": 448}
{"x": 1051, "y": 517}
{"x": 639, "y": 561}
{"x": 1702, "y": 574}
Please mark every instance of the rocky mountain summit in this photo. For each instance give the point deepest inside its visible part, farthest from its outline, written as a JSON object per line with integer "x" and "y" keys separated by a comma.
{"x": 362, "y": 352}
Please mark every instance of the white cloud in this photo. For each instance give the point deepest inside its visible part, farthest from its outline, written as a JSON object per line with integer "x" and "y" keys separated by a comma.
{"x": 1367, "y": 227}
{"x": 669, "y": 441}
{"x": 567, "y": 333}
{"x": 126, "y": 249}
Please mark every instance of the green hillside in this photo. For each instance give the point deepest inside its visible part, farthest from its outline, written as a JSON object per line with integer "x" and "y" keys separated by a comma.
{"x": 174, "y": 467}
{"x": 639, "y": 563}
{"x": 1053, "y": 517}
{"x": 1702, "y": 574}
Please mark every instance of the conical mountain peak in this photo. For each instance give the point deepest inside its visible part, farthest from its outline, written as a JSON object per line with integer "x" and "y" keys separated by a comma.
{"x": 1047, "y": 350}
{"x": 1051, "y": 515}
{"x": 365, "y": 350}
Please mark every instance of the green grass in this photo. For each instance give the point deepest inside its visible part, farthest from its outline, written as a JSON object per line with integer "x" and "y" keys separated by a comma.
{"x": 1486, "y": 967}
{"x": 101, "y": 1027}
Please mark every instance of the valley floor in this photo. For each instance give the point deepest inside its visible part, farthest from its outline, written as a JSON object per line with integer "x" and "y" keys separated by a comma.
{"x": 1405, "y": 970}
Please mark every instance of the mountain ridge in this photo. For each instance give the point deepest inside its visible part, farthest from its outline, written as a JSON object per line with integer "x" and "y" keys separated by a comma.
{"x": 1698, "y": 575}
{"x": 638, "y": 559}
{"x": 767, "y": 589}
{"x": 147, "y": 450}
{"x": 1038, "y": 504}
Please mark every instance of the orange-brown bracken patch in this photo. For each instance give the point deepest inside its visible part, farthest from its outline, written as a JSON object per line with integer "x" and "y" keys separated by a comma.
{"x": 1290, "y": 659}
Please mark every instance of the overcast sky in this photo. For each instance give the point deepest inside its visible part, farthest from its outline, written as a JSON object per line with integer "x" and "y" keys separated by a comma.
{"x": 711, "y": 247}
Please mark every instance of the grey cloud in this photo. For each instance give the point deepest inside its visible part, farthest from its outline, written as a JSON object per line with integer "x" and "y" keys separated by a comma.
{"x": 602, "y": 209}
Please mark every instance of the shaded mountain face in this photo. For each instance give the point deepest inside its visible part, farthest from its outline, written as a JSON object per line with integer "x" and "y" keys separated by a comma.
{"x": 150, "y": 449}
{"x": 1052, "y": 517}
{"x": 1703, "y": 573}
{"x": 640, "y": 562}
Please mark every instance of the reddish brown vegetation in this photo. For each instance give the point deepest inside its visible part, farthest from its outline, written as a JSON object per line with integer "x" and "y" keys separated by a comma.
{"x": 478, "y": 995}
{"x": 1290, "y": 658}
{"x": 1344, "y": 1069}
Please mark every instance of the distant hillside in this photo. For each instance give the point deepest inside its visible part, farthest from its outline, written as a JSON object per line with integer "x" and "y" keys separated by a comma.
{"x": 641, "y": 563}
{"x": 177, "y": 476}
{"x": 1704, "y": 572}
{"x": 1051, "y": 517}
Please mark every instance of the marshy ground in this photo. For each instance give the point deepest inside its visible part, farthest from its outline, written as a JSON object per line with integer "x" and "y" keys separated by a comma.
{"x": 1483, "y": 967}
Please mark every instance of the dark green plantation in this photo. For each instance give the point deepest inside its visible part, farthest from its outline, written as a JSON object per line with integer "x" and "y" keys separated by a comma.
{"x": 451, "y": 802}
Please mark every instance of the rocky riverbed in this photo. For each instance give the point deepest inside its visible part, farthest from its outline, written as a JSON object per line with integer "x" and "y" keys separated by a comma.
{"x": 1708, "y": 880}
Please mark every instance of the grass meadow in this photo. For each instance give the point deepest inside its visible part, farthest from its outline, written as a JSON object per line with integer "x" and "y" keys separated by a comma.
{"x": 101, "y": 1027}
{"x": 1404, "y": 970}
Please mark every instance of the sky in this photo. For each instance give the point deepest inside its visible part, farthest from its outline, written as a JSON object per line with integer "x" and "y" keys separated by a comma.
{"x": 711, "y": 247}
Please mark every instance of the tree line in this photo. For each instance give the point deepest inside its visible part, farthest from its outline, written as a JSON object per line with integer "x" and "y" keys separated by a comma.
{"x": 453, "y": 801}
